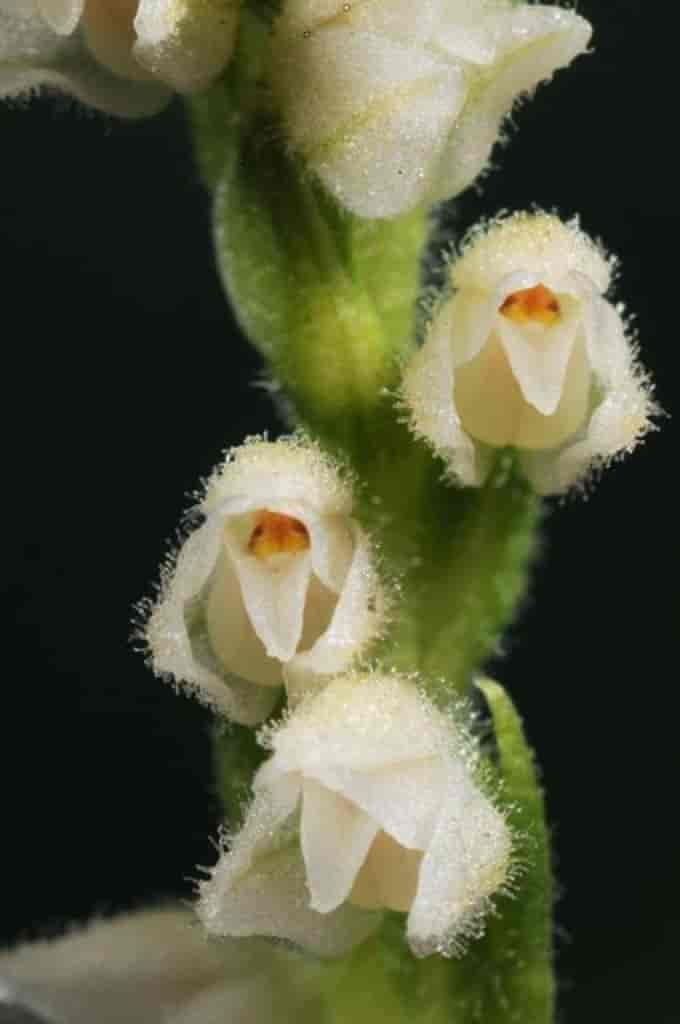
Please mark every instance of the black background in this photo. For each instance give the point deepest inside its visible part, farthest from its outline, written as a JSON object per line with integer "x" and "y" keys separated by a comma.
{"x": 124, "y": 377}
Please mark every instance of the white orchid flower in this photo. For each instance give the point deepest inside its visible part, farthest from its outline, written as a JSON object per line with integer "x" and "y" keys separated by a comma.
{"x": 277, "y": 586}
{"x": 394, "y": 103}
{"x": 369, "y": 801}
{"x": 528, "y": 353}
{"x": 120, "y": 56}
{"x": 149, "y": 967}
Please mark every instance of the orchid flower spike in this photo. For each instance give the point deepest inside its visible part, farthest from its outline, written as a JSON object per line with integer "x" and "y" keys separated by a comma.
{"x": 393, "y": 103}
{"x": 528, "y": 353}
{"x": 277, "y": 586}
{"x": 120, "y": 56}
{"x": 368, "y": 802}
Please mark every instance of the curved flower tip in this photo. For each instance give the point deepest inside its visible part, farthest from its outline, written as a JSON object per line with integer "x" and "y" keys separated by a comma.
{"x": 120, "y": 56}
{"x": 144, "y": 968}
{"x": 528, "y": 353}
{"x": 368, "y": 802}
{"x": 185, "y": 43}
{"x": 277, "y": 586}
{"x": 392, "y": 109}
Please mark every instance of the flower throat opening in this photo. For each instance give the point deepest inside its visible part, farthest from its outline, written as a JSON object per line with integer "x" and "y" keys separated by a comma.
{"x": 277, "y": 534}
{"x": 532, "y": 305}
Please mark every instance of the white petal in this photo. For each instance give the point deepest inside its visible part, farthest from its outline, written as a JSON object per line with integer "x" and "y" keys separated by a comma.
{"x": 534, "y": 41}
{"x": 185, "y": 43}
{"x": 403, "y": 798}
{"x": 619, "y": 421}
{"x": 33, "y": 57}
{"x": 494, "y": 410}
{"x": 335, "y": 836}
{"x": 272, "y": 899}
{"x": 427, "y": 389}
{"x": 466, "y": 322}
{"x": 523, "y": 249}
{"x": 331, "y": 547}
{"x": 360, "y": 723}
{"x": 466, "y": 862}
{"x": 539, "y": 357}
{"x": 278, "y": 475}
{"x": 616, "y": 426}
{"x": 370, "y": 114}
{"x": 62, "y": 15}
{"x": 259, "y": 887}
{"x": 274, "y": 592}
{"x": 171, "y": 647}
{"x": 355, "y": 621}
{"x": 138, "y": 968}
{"x": 609, "y": 349}
{"x": 231, "y": 632}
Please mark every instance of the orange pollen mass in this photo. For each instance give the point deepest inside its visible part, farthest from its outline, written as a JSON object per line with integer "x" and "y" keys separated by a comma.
{"x": 532, "y": 305}
{"x": 277, "y": 534}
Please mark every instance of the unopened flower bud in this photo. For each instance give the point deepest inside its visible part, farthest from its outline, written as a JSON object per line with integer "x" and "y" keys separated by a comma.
{"x": 277, "y": 586}
{"x": 529, "y": 354}
{"x": 390, "y": 817}
{"x": 393, "y": 104}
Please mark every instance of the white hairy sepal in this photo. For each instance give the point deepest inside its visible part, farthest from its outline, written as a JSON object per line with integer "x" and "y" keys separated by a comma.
{"x": 392, "y": 109}
{"x": 369, "y": 801}
{"x": 185, "y": 43}
{"x": 149, "y": 967}
{"x": 233, "y": 630}
{"x": 34, "y": 56}
{"x": 119, "y": 58}
{"x": 569, "y": 397}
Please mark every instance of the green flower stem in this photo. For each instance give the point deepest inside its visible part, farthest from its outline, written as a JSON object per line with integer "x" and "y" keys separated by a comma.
{"x": 460, "y": 558}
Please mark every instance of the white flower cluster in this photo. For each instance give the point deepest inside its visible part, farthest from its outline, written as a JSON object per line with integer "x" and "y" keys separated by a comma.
{"x": 390, "y": 103}
{"x": 528, "y": 353}
{"x": 370, "y": 799}
{"x": 121, "y": 56}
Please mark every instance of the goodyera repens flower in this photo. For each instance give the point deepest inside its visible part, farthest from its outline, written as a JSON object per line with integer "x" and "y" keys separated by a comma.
{"x": 276, "y": 586}
{"x": 368, "y": 801}
{"x": 117, "y": 55}
{"x": 529, "y": 354}
{"x": 394, "y": 102}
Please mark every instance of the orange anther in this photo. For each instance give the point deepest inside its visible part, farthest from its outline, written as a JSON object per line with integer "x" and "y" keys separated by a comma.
{"x": 532, "y": 305}
{"x": 275, "y": 534}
